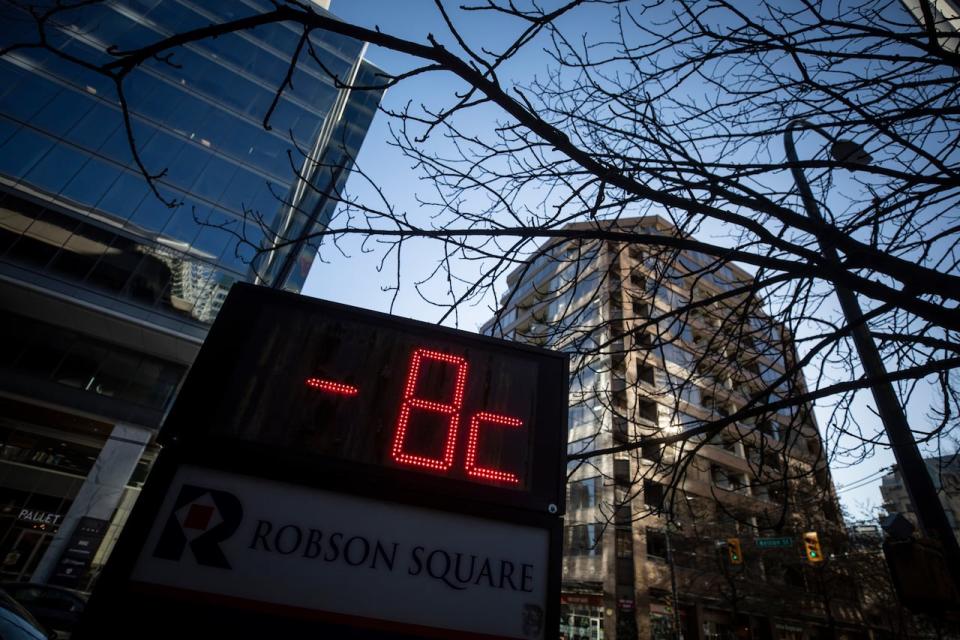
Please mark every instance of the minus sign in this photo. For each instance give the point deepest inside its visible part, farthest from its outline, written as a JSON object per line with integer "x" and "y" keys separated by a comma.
{"x": 332, "y": 387}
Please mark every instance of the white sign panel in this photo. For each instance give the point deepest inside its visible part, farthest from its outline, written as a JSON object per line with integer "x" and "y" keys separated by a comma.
{"x": 347, "y": 556}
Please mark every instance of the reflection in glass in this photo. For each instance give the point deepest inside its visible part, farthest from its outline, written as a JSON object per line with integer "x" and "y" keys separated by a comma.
{"x": 48, "y": 352}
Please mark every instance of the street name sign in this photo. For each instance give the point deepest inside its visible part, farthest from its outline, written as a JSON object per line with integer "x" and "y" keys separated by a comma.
{"x": 333, "y": 471}
{"x": 774, "y": 543}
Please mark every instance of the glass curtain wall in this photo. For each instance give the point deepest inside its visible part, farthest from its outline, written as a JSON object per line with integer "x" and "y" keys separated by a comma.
{"x": 76, "y": 208}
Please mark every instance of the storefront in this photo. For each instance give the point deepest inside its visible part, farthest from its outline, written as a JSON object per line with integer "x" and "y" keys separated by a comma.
{"x": 581, "y": 616}
{"x": 28, "y": 522}
{"x": 45, "y": 457}
{"x": 662, "y": 622}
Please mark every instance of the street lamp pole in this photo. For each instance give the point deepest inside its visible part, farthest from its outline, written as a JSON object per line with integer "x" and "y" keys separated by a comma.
{"x": 923, "y": 494}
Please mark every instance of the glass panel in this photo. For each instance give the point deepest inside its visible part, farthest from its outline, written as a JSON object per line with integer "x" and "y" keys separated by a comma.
{"x": 56, "y": 168}
{"x": 242, "y": 189}
{"x": 45, "y": 351}
{"x": 40, "y": 240}
{"x": 117, "y": 147}
{"x": 63, "y": 112}
{"x": 125, "y": 194}
{"x": 160, "y": 151}
{"x": 86, "y": 363}
{"x": 116, "y": 372}
{"x": 152, "y": 215}
{"x": 96, "y": 127}
{"x": 27, "y": 93}
{"x": 82, "y": 251}
{"x": 214, "y": 179}
{"x": 116, "y": 265}
{"x": 183, "y": 226}
{"x": 80, "y": 365}
{"x": 151, "y": 279}
{"x": 213, "y": 240}
{"x": 7, "y": 129}
{"x": 91, "y": 183}
{"x": 188, "y": 164}
{"x": 22, "y": 151}
{"x": 153, "y": 383}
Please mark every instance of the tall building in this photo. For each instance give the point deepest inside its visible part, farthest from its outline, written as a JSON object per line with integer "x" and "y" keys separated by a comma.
{"x": 660, "y": 537}
{"x": 945, "y": 472}
{"x": 106, "y": 291}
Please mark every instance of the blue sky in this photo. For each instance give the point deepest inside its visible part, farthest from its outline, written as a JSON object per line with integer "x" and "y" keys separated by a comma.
{"x": 354, "y": 278}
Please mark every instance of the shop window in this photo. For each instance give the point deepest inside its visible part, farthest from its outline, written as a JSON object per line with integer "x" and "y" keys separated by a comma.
{"x": 33, "y": 449}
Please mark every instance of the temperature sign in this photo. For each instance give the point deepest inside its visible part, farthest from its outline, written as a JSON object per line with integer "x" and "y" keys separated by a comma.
{"x": 333, "y": 472}
{"x": 468, "y": 415}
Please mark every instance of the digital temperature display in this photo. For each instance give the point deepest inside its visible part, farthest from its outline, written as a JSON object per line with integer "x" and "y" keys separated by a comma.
{"x": 319, "y": 379}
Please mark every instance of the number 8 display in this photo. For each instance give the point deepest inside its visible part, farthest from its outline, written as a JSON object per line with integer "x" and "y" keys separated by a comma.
{"x": 445, "y": 462}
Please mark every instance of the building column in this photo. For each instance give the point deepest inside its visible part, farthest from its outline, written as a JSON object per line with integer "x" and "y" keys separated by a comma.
{"x": 100, "y": 493}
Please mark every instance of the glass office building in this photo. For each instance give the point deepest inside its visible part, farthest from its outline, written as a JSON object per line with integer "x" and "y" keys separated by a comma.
{"x": 106, "y": 291}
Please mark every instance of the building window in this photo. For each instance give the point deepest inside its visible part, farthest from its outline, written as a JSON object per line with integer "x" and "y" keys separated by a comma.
{"x": 656, "y": 544}
{"x": 647, "y": 409}
{"x": 580, "y": 415}
{"x": 584, "y": 494}
{"x": 652, "y": 452}
{"x": 727, "y": 480}
{"x": 653, "y": 494}
{"x": 769, "y": 428}
{"x": 646, "y": 373}
{"x": 584, "y": 540}
{"x": 638, "y": 281}
{"x": 640, "y": 309}
{"x": 624, "y": 544}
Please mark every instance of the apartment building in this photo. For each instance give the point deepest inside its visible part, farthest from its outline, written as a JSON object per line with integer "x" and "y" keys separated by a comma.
{"x": 663, "y": 342}
{"x": 945, "y": 472}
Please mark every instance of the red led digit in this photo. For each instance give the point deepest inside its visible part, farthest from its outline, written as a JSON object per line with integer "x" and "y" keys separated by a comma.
{"x": 332, "y": 387}
{"x": 410, "y": 403}
{"x": 472, "y": 446}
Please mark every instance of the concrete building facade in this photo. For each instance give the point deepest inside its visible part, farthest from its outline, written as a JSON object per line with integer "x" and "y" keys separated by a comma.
{"x": 107, "y": 291}
{"x": 945, "y": 472}
{"x": 661, "y": 342}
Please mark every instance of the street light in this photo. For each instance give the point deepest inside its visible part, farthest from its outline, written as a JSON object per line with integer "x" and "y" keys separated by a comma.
{"x": 932, "y": 519}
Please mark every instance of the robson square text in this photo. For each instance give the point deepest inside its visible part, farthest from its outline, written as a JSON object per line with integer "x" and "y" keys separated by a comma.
{"x": 456, "y": 569}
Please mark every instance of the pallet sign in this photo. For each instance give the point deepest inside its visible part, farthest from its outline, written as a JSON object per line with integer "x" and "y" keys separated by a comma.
{"x": 330, "y": 470}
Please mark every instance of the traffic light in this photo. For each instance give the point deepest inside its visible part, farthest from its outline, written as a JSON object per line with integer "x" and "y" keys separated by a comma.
{"x": 733, "y": 551}
{"x": 811, "y": 544}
